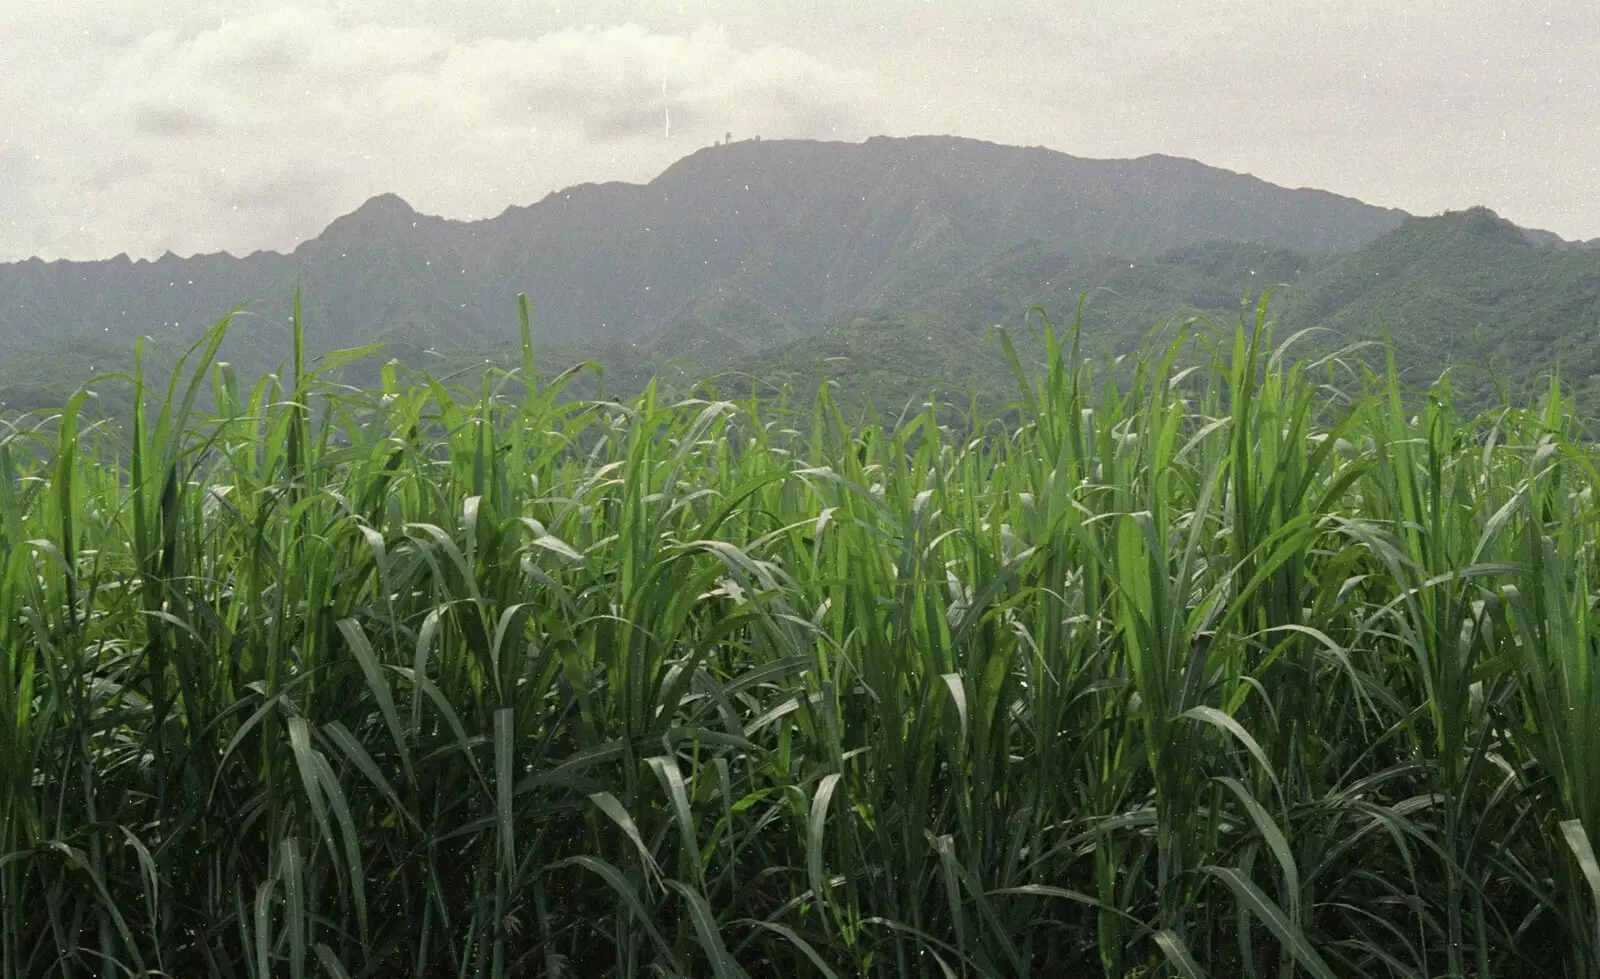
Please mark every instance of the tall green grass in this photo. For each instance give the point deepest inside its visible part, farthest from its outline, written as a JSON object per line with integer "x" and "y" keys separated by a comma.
{"x": 1220, "y": 664}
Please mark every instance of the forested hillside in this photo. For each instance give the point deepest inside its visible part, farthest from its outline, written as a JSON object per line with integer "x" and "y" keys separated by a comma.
{"x": 878, "y": 264}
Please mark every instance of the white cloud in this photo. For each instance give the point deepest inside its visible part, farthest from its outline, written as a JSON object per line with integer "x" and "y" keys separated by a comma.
{"x": 203, "y": 124}
{"x": 257, "y": 131}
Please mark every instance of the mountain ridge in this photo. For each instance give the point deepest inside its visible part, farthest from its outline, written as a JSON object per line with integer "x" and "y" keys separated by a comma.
{"x": 386, "y": 200}
{"x": 833, "y": 225}
{"x": 752, "y": 246}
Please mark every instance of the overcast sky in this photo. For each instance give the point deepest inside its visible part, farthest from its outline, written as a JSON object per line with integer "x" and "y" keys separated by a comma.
{"x": 143, "y": 126}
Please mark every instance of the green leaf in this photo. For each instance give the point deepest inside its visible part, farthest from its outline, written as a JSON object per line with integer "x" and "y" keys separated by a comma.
{"x": 619, "y": 886}
{"x": 377, "y": 684}
{"x": 1578, "y": 841}
{"x": 706, "y": 930}
{"x": 816, "y": 834}
{"x": 1273, "y": 917}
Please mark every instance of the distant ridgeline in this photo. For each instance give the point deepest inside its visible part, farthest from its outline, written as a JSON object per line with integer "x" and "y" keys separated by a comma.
{"x": 876, "y": 265}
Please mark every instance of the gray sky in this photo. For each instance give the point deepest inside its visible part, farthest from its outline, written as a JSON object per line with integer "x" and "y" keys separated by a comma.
{"x": 192, "y": 125}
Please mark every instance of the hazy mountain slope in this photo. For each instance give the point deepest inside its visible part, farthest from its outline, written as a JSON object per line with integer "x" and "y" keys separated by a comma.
{"x": 810, "y": 230}
{"x": 1144, "y": 206}
{"x": 878, "y": 265}
{"x": 941, "y": 344}
{"x": 1464, "y": 288}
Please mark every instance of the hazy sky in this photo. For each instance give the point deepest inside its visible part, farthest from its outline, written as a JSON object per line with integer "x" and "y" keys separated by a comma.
{"x": 191, "y": 125}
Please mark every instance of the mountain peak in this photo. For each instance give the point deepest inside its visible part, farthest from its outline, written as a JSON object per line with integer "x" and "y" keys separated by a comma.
{"x": 379, "y": 218}
{"x": 1480, "y": 222}
{"x": 386, "y": 205}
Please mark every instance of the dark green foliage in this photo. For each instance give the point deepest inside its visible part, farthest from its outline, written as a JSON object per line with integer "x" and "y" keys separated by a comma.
{"x": 731, "y": 250}
{"x": 1226, "y": 671}
{"x": 1465, "y": 292}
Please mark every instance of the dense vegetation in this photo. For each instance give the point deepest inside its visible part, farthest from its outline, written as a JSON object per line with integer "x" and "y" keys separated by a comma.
{"x": 1253, "y": 668}
{"x": 731, "y": 252}
{"x": 883, "y": 316}
{"x": 755, "y": 235}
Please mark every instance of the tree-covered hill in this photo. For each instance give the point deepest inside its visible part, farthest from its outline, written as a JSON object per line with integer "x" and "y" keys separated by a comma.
{"x": 805, "y": 231}
{"x": 1464, "y": 288}
{"x": 879, "y": 265}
